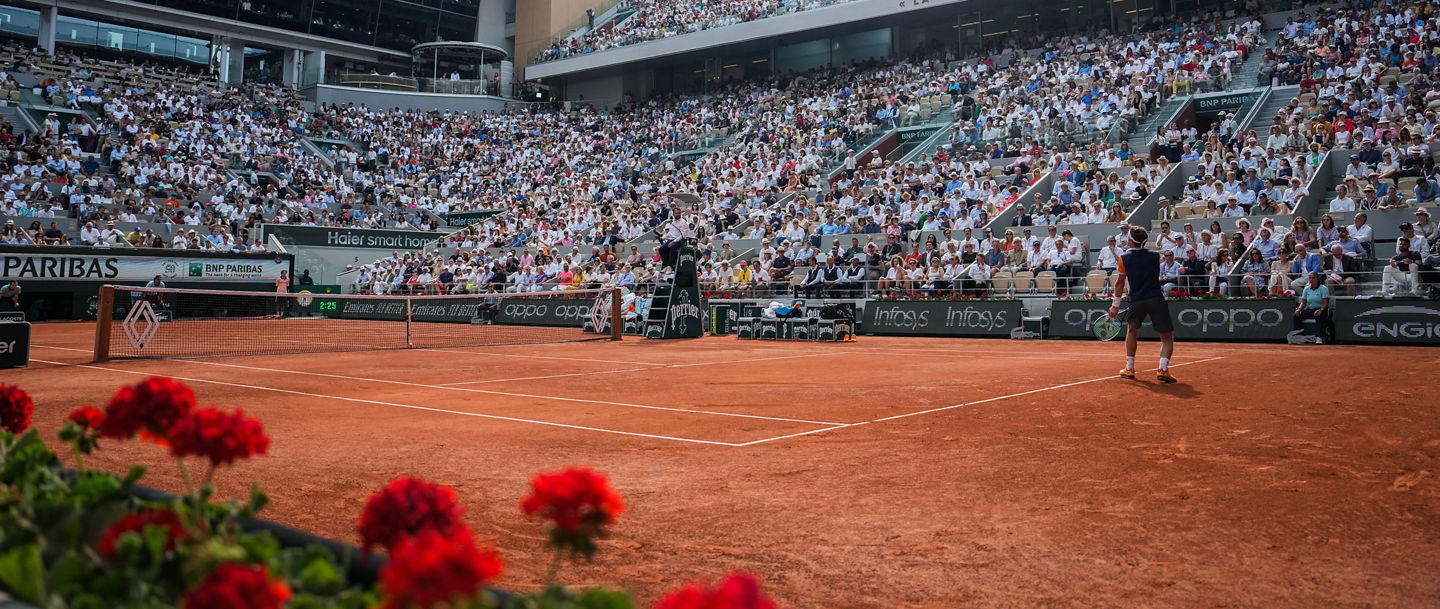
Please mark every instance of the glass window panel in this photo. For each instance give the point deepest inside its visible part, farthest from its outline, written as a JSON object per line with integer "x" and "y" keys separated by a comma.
{"x": 463, "y": 7}
{"x": 406, "y": 25}
{"x": 457, "y": 28}
{"x": 19, "y": 21}
{"x": 288, "y": 14}
{"x": 344, "y": 19}
{"x": 69, "y": 30}
{"x": 151, "y": 43}
{"x": 218, "y": 8}
{"x": 115, "y": 37}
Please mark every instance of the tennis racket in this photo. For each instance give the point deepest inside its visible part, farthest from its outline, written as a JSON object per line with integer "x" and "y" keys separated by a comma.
{"x": 1107, "y": 328}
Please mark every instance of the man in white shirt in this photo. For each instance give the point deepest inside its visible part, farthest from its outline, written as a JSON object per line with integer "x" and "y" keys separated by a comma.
{"x": 1362, "y": 231}
{"x": 1342, "y": 201}
{"x": 1109, "y": 256}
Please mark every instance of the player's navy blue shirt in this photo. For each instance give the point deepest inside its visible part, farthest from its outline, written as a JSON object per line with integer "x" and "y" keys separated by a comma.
{"x": 1142, "y": 273}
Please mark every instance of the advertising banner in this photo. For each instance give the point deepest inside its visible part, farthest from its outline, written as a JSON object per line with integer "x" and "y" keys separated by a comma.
{"x": 1387, "y": 321}
{"x": 463, "y": 219}
{"x": 106, "y": 267}
{"x": 14, "y": 344}
{"x": 943, "y": 318}
{"x": 1238, "y": 320}
{"x": 559, "y": 311}
{"x": 332, "y": 236}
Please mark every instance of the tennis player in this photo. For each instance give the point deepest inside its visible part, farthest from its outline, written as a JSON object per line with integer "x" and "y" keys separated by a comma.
{"x": 1141, "y": 268}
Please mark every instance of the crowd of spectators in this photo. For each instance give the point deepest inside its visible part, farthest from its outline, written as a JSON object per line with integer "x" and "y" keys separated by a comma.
{"x": 655, "y": 19}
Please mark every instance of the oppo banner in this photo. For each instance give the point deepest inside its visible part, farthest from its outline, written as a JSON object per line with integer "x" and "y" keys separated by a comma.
{"x": 104, "y": 267}
{"x": 946, "y": 318}
{"x": 1238, "y": 320}
{"x": 460, "y": 310}
{"x": 1388, "y": 321}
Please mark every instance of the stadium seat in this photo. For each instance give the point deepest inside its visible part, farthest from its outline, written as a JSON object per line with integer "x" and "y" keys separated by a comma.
{"x": 1001, "y": 280}
{"x": 1096, "y": 281}
{"x": 1045, "y": 282}
{"x": 1024, "y": 282}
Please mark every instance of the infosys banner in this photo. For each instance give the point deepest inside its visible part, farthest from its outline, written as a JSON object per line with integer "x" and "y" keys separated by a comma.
{"x": 1237, "y": 320}
{"x": 70, "y": 267}
{"x": 929, "y": 318}
{"x": 1388, "y": 322}
{"x": 372, "y": 238}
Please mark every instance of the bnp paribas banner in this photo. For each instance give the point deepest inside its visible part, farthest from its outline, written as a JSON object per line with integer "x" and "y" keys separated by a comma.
{"x": 105, "y": 267}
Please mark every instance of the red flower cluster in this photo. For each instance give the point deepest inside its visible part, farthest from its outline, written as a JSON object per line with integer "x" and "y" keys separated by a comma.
{"x": 408, "y": 506}
{"x": 737, "y": 591}
{"x": 432, "y": 568}
{"x": 217, "y": 435}
{"x": 15, "y": 409}
{"x": 573, "y": 498}
{"x": 89, "y": 417}
{"x": 136, "y": 523}
{"x": 238, "y": 586}
{"x": 149, "y": 408}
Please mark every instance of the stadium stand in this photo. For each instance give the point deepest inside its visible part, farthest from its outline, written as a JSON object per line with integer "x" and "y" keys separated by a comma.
{"x": 776, "y": 174}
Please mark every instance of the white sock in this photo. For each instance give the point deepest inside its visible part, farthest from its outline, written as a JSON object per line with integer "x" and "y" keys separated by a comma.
{"x": 1129, "y": 362}
{"x": 1164, "y": 363}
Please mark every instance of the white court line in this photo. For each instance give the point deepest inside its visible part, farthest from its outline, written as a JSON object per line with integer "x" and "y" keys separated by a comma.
{"x": 536, "y": 378}
{"x": 796, "y": 435}
{"x": 943, "y": 408}
{"x": 398, "y": 405}
{"x": 572, "y": 359}
{"x": 1032, "y": 391}
{"x": 510, "y": 394}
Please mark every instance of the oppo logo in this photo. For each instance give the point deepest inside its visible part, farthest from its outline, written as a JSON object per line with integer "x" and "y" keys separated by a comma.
{"x": 1082, "y": 317}
{"x": 539, "y": 310}
{"x": 1229, "y": 320}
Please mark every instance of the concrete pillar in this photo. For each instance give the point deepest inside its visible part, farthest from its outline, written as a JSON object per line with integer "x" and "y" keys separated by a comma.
{"x": 227, "y": 59}
{"x": 290, "y": 70}
{"x": 49, "y": 15}
{"x": 490, "y": 23}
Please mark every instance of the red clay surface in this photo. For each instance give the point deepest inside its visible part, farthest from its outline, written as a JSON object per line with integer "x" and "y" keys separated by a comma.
{"x": 1014, "y": 474}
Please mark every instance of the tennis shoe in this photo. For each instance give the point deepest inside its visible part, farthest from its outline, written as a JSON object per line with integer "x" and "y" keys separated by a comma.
{"x": 1127, "y": 373}
{"x": 1164, "y": 377}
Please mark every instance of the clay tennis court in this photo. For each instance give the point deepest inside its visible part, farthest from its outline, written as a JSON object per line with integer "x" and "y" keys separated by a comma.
{"x": 889, "y": 472}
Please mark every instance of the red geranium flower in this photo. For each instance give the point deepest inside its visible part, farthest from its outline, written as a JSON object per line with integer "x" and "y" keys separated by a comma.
{"x": 408, "y": 506}
{"x": 736, "y": 591}
{"x": 15, "y": 409}
{"x": 238, "y": 586}
{"x": 572, "y": 498}
{"x": 149, "y": 408}
{"x": 433, "y": 567}
{"x": 579, "y": 501}
{"x": 89, "y": 417}
{"x": 219, "y": 436}
{"x": 136, "y": 523}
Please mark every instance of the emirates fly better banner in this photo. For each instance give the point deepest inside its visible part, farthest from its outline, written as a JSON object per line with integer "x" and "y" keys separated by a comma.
{"x": 102, "y": 267}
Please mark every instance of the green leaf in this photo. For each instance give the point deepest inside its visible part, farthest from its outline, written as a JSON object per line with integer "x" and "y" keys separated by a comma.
{"x": 23, "y": 573}
{"x": 601, "y": 598}
{"x": 136, "y": 471}
{"x": 258, "y": 500}
{"x": 320, "y": 575}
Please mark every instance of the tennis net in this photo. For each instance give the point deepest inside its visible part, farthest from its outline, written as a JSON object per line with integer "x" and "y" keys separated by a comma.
{"x": 136, "y": 322}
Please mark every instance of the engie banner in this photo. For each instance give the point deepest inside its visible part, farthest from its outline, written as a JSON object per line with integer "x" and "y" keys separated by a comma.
{"x": 105, "y": 267}
{"x": 942, "y": 318}
{"x": 1387, "y": 321}
{"x": 1242, "y": 320}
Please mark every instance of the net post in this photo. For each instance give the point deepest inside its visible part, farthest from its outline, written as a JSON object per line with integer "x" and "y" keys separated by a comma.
{"x": 409, "y": 324}
{"x": 104, "y": 319}
{"x": 617, "y": 323}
